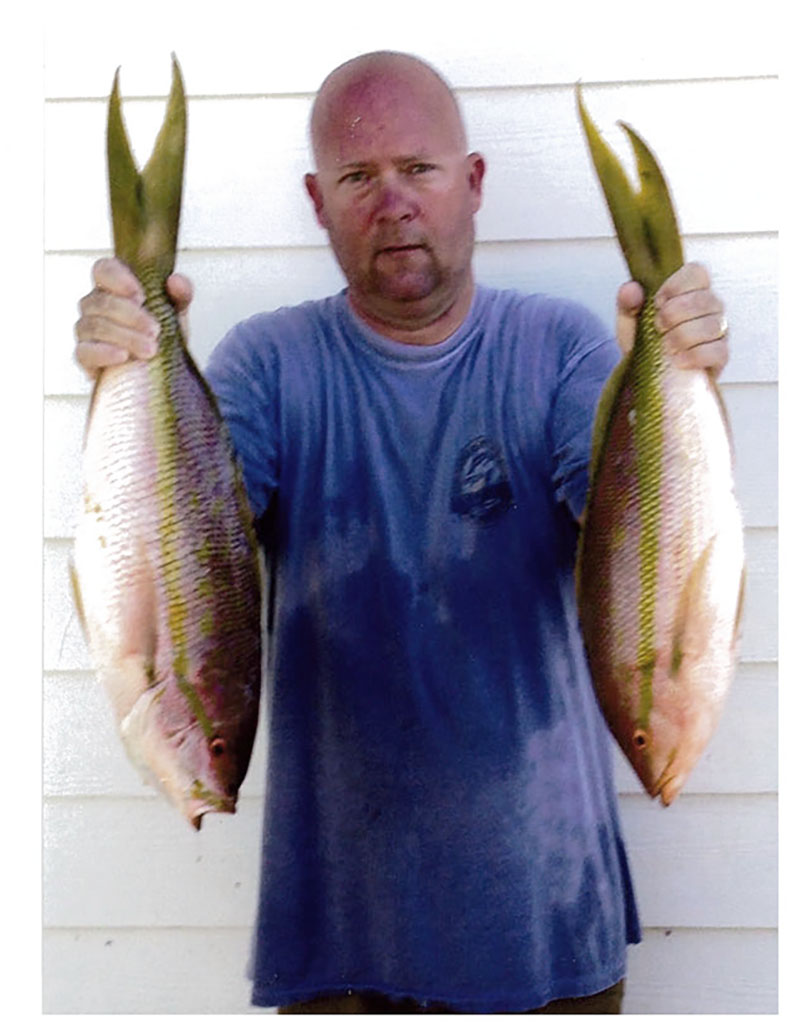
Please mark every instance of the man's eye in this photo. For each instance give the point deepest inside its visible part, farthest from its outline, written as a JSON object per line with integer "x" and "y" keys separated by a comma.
{"x": 420, "y": 167}
{"x": 358, "y": 176}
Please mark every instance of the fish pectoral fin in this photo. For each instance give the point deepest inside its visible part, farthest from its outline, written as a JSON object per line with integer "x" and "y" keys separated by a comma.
{"x": 133, "y": 670}
{"x": 137, "y": 731}
{"x": 688, "y": 603}
{"x": 140, "y": 623}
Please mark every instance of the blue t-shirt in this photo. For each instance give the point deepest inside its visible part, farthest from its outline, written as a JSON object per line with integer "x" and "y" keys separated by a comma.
{"x": 440, "y": 819}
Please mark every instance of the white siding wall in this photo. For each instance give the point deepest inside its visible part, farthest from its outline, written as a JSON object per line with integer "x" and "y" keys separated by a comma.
{"x": 141, "y": 913}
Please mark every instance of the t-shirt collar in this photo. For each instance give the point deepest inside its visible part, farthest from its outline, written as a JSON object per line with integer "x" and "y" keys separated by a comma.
{"x": 401, "y": 350}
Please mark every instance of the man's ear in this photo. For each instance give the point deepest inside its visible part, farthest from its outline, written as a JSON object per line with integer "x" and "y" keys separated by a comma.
{"x": 477, "y": 171}
{"x": 315, "y": 194}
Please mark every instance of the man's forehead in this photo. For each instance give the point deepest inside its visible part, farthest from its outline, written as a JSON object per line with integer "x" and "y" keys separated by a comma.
{"x": 345, "y": 163}
{"x": 371, "y": 104}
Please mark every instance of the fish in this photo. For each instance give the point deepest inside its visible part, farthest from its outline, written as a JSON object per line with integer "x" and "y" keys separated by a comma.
{"x": 165, "y": 567}
{"x": 660, "y": 568}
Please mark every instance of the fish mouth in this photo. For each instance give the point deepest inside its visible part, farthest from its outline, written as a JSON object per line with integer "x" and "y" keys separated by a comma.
{"x": 203, "y": 800}
{"x": 668, "y": 786}
{"x": 195, "y": 816}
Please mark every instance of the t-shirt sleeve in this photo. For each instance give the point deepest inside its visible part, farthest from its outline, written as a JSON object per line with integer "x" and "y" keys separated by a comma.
{"x": 589, "y": 354}
{"x": 243, "y": 375}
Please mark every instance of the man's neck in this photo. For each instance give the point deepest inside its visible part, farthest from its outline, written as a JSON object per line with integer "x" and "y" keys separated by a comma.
{"x": 415, "y": 331}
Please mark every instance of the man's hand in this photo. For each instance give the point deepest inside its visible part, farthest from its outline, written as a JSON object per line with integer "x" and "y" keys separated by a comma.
{"x": 114, "y": 326}
{"x": 688, "y": 314}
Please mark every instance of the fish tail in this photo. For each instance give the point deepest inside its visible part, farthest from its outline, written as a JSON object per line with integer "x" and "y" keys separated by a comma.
{"x": 145, "y": 206}
{"x": 644, "y": 220}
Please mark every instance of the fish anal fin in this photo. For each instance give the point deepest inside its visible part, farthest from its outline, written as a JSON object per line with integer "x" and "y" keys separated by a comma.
{"x": 739, "y": 608}
{"x": 76, "y": 596}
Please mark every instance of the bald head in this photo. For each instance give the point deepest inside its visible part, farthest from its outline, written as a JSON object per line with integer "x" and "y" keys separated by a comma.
{"x": 377, "y": 89}
{"x": 396, "y": 193}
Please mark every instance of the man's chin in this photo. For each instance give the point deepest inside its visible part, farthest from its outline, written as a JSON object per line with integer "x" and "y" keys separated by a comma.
{"x": 404, "y": 288}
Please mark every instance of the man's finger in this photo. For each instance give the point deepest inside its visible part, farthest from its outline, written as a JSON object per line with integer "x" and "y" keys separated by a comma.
{"x": 690, "y": 334}
{"x": 180, "y": 291}
{"x": 112, "y": 275}
{"x": 710, "y": 356}
{"x": 690, "y": 305}
{"x": 119, "y": 310}
{"x": 93, "y": 356}
{"x": 690, "y": 277}
{"x": 630, "y": 298}
{"x": 95, "y": 327}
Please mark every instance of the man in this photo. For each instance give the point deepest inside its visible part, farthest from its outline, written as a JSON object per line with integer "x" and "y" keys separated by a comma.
{"x": 441, "y": 829}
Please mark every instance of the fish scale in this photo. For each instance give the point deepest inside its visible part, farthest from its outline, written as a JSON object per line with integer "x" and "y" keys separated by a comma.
{"x": 166, "y": 568}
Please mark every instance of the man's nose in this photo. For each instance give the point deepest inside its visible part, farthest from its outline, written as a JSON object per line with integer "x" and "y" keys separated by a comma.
{"x": 395, "y": 201}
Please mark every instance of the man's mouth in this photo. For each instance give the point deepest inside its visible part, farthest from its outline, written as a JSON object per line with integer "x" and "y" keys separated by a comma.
{"x": 395, "y": 249}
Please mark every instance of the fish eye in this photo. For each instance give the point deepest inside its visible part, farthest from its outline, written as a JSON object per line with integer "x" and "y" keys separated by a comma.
{"x": 640, "y": 739}
{"x": 217, "y": 746}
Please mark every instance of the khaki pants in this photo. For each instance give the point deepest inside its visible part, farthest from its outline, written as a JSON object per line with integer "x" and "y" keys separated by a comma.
{"x": 609, "y": 1001}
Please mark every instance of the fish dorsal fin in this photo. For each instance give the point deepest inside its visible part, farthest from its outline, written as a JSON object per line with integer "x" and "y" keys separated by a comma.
{"x": 605, "y": 413}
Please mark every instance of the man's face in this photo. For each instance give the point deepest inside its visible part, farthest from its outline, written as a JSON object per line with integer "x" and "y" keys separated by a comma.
{"x": 397, "y": 196}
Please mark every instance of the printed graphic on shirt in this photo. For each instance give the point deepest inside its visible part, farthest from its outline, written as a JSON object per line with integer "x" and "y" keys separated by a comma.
{"x": 481, "y": 489}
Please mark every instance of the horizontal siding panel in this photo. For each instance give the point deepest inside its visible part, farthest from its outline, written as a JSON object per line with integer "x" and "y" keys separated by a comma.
{"x": 138, "y": 971}
{"x": 707, "y": 861}
{"x": 753, "y": 414}
{"x": 517, "y": 44}
{"x": 703, "y": 972}
{"x": 244, "y": 188}
{"x": 202, "y": 971}
{"x": 147, "y": 866}
{"x": 753, "y": 411}
{"x": 83, "y": 754}
{"x": 64, "y": 647}
{"x": 232, "y": 285}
